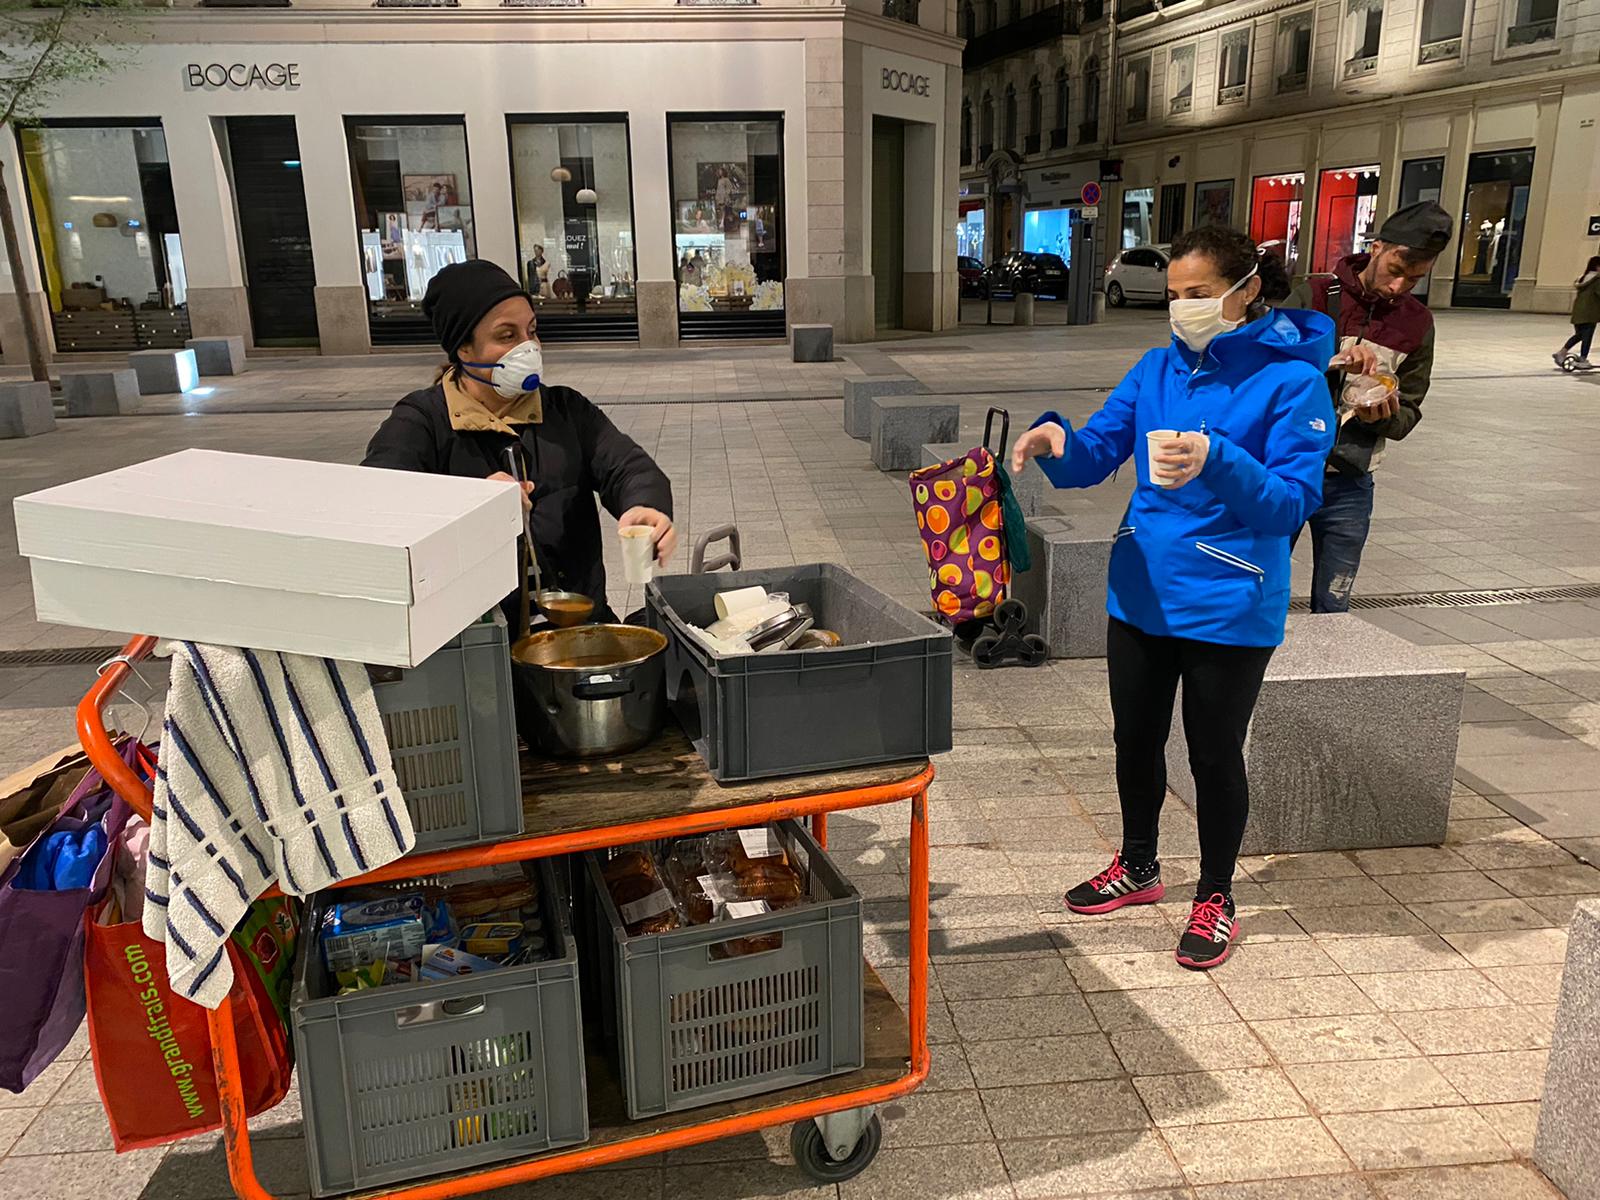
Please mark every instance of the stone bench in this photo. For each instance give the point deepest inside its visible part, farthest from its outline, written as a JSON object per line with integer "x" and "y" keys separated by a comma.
{"x": 1567, "y": 1145}
{"x": 861, "y": 394}
{"x": 811, "y": 343}
{"x": 25, "y": 409}
{"x": 1030, "y": 488}
{"x": 902, "y": 424}
{"x": 218, "y": 355}
{"x": 107, "y": 393}
{"x": 1065, "y": 587}
{"x": 165, "y": 372}
{"x": 1353, "y": 744}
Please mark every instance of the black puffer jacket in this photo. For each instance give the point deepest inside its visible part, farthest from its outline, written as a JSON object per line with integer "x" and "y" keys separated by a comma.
{"x": 573, "y": 454}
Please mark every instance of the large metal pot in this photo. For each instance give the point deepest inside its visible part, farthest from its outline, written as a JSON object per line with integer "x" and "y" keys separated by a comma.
{"x": 591, "y": 690}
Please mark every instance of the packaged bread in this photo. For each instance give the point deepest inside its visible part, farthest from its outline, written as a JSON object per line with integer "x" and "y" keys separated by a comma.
{"x": 642, "y": 899}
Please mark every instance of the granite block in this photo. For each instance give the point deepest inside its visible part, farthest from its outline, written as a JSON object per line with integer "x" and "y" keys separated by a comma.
{"x": 1022, "y": 309}
{"x": 25, "y": 409}
{"x": 902, "y": 424}
{"x": 218, "y": 355}
{"x": 859, "y": 395}
{"x": 811, "y": 343}
{"x": 165, "y": 372}
{"x": 99, "y": 393}
{"x": 1065, "y": 588}
{"x": 1030, "y": 488}
{"x": 1353, "y": 742}
{"x": 1567, "y": 1145}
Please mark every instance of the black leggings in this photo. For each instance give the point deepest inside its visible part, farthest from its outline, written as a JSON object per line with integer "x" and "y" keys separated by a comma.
{"x": 1220, "y": 686}
{"x": 1583, "y": 337}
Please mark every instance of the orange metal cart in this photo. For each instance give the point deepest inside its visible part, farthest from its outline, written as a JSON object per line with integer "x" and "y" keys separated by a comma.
{"x": 835, "y": 1129}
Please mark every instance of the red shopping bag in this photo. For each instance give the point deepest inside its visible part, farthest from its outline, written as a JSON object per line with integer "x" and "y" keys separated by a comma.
{"x": 152, "y": 1048}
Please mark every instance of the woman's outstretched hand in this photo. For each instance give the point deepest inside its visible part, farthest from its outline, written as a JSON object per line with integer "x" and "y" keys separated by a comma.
{"x": 1048, "y": 438}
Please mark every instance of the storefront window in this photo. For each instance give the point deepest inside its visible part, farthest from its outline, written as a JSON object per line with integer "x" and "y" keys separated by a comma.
{"x": 571, "y": 186}
{"x": 969, "y": 230}
{"x": 727, "y": 192}
{"x": 1493, "y": 217}
{"x": 1347, "y": 212}
{"x": 107, "y": 231}
{"x": 1213, "y": 203}
{"x": 414, "y": 212}
{"x": 1275, "y": 215}
{"x": 1138, "y": 206}
{"x": 1421, "y": 179}
{"x": 1048, "y": 231}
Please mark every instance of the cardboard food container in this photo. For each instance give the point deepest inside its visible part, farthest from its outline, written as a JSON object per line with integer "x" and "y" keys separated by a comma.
{"x": 339, "y": 561}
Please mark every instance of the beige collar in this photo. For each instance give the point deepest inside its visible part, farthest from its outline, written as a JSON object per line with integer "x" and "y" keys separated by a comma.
{"x": 468, "y": 414}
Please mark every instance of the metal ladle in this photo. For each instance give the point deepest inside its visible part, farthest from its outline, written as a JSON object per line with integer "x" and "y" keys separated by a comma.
{"x": 561, "y": 609}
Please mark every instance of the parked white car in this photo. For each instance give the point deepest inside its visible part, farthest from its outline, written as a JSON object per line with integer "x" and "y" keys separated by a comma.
{"x": 1138, "y": 274}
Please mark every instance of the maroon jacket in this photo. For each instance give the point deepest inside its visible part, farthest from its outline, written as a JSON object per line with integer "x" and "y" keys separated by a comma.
{"x": 1400, "y": 330}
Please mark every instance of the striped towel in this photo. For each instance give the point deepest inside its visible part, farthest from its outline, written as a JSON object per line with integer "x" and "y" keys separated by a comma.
{"x": 274, "y": 769}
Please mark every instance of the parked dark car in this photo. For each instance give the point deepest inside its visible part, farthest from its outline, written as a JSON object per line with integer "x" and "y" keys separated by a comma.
{"x": 1028, "y": 271}
{"x": 971, "y": 272}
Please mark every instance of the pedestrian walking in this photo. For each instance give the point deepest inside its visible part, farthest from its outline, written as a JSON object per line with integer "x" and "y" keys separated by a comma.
{"x": 1585, "y": 316}
{"x": 1229, "y": 430}
{"x": 1382, "y": 330}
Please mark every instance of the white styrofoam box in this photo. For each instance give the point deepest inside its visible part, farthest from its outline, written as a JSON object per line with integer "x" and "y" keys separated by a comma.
{"x": 317, "y": 558}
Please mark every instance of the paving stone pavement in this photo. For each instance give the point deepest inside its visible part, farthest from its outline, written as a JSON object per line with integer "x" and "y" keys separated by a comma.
{"x": 1382, "y": 1031}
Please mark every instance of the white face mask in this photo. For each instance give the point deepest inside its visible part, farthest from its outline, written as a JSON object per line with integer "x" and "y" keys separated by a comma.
{"x": 1196, "y": 322}
{"x": 517, "y": 373}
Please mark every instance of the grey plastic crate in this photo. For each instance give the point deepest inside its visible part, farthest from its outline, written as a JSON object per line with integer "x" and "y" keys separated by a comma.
{"x": 687, "y": 1029}
{"x": 453, "y": 736}
{"x": 403, "y": 1082}
{"x": 883, "y": 697}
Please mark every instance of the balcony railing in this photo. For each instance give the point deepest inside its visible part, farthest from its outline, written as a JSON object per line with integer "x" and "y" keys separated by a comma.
{"x": 1058, "y": 139}
{"x": 1181, "y": 104}
{"x": 1355, "y": 68}
{"x": 1444, "y": 50}
{"x": 1531, "y": 32}
{"x": 1231, "y": 94}
{"x": 1035, "y": 29}
{"x": 1030, "y": 144}
{"x": 1089, "y": 131}
{"x": 1292, "y": 81}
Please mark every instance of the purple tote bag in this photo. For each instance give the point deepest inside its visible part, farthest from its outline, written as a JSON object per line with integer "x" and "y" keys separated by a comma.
{"x": 41, "y": 971}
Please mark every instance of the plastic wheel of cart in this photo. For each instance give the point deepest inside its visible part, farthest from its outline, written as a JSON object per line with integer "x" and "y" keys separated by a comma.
{"x": 812, "y": 1157}
{"x": 1011, "y": 616}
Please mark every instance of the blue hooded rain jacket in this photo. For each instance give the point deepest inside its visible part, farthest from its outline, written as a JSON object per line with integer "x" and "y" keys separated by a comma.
{"x": 1210, "y": 560}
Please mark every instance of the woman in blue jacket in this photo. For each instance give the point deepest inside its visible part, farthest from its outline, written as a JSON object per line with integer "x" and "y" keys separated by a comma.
{"x": 1236, "y": 417}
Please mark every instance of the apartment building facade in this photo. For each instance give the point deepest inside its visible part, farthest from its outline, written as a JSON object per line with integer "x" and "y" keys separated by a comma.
{"x": 1305, "y": 121}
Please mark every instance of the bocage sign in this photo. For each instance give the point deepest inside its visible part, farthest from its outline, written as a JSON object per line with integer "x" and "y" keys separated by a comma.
{"x": 242, "y": 76}
{"x": 905, "y": 81}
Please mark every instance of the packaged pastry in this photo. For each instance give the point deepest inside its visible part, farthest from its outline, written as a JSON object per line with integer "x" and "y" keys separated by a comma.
{"x": 490, "y": 939}
{"x": 642, "y": 899}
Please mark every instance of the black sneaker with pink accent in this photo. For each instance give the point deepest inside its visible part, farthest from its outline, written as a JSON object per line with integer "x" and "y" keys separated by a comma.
{"x": 1117, "y": 885}
{"x": 1209, "y": 938}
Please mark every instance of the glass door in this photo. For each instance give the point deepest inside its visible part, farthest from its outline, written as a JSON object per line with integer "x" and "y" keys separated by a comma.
{"x": 1494, "y": 215}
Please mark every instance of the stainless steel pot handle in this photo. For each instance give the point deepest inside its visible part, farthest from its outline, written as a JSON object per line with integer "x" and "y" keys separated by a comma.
{"x": 733, "y": 559}
{"x": 602, "y": 687}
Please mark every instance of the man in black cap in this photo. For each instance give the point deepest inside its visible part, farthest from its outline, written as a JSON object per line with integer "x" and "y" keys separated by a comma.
{"x": 1382, "y": 330}
{"x": 491, "y": 397}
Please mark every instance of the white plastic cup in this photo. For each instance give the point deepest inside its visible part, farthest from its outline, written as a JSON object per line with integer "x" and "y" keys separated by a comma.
{"x": 1152, "y": 442}
{"x": 739, "y": 600}
{"x": 638, "y": 554}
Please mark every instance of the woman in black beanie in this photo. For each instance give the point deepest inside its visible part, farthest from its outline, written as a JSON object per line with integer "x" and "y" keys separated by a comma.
{"x": 490, "y": 396}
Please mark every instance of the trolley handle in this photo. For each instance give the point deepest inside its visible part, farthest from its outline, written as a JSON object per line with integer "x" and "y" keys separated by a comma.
{"x": 96, "y": 739}
{"x": 733, "y": 557}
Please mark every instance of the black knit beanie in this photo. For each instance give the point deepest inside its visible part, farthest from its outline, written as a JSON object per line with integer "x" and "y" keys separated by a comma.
{"x": 461, "y": 295}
